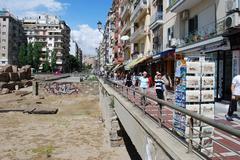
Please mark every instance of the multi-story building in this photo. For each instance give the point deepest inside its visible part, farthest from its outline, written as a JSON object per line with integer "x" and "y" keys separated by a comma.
{"x": 125, "y": 34}
{"x": 52, "y": 33}
{"x": 11, "y": 38}
{"x": 117, "y": 43}
{"x": 197, "y": 31}
{"x": 140, "y": 31}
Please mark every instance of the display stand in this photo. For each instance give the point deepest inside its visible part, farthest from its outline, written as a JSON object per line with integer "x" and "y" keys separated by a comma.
{"x": 195, "y": 83}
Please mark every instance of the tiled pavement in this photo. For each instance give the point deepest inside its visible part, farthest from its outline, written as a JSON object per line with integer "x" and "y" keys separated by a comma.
{"x": 221, "y": 152}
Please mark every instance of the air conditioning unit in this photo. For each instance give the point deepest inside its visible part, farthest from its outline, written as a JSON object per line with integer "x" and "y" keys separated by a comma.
{"x": 184, "y": 15}
{"x": 232, "y": 20}
{"x": 173, "y": 43}
{"x": 232, "y": 5}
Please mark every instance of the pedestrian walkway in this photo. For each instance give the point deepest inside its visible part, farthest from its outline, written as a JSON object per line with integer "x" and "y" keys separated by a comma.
{"x": 221, "y": 137}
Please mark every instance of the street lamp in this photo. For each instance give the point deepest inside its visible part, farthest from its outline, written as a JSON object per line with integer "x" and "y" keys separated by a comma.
{"x": 99, "y": 24}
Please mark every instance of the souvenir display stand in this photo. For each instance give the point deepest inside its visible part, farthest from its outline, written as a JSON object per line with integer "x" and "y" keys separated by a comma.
{"x": 195, "y": 83}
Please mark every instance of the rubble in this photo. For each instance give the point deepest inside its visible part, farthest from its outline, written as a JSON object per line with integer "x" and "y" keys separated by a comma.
{"x": 12, "y": 77}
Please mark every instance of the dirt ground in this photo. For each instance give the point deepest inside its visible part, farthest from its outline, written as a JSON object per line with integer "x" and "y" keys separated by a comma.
{"x": 74, "y": 133}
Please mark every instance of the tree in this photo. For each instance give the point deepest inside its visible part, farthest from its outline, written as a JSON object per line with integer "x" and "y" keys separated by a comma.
{"x": 30, "y": 54}
{"x": 46, "y": 65}
{"x": 72, "y": 63}
{"x": 53, "y": 60}
{"x": 22, "y": 58}
{"x": 36, "y": 54}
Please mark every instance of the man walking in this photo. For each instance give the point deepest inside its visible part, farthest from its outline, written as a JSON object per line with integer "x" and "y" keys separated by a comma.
{"x": 235, "y": 88}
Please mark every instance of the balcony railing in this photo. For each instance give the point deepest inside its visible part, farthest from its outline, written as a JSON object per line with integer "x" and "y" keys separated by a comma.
{"x": 125, "y": 28}
{"x": 157, "y": 19}
{"x": 140, "y": 4}
{"x": 140, "y": 32}
{"x": 125, "y": 10}
{"x": 204, "y": 33}
{"x": 180, "y": 5}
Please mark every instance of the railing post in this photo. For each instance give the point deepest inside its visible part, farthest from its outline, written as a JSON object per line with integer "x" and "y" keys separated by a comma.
{"x": 160, "y": 117}
{"x": 190, "y": 147}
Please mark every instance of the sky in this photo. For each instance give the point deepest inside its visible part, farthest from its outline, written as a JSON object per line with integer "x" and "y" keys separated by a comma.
{"x": 81, "y": 16}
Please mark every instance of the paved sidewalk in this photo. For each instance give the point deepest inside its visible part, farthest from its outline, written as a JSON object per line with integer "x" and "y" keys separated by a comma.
{"x": 224, "y": 138}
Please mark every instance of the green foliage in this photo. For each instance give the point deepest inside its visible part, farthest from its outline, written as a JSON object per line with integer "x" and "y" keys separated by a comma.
{"x": 53, "y": 60}
{"x": 22, "y": 56}
{"x": 30, "y": 55}
{"x": 36, "y": 54}
{"x": 46, "y": 65}
{"x": 72, "y": 63}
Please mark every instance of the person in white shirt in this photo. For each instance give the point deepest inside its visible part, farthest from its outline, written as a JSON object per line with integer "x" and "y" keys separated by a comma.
{"x": 235, "y": 88}
{"x": 143, "y": 86}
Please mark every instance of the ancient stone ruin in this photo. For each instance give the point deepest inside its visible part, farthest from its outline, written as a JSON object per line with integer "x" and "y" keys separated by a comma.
{"x": 13, "y": 78}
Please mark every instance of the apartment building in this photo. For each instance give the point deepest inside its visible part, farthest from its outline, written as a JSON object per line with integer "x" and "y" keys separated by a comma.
{"x": 11, "y": 38}
{"x": 198, "y": 31}
{"x": 52, "y": 33}
{"x": 140, "y": 31}
{"x": 125, "y": 13}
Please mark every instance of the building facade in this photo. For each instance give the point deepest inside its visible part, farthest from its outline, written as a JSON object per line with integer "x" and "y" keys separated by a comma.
{"x": 52, "y": 33}
{"x": 11, "y": 38}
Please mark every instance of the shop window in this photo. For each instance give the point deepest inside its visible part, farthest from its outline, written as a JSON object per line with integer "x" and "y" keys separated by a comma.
{"x": 3, "y": 55}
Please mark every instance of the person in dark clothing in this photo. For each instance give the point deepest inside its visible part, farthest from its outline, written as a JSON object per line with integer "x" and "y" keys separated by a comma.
{"x": 128, "y": 80}
{"x": 160, "y": 88}
{"x": 235, "y": 88}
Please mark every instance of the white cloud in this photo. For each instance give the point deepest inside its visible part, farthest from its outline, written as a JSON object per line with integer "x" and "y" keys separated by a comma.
{"x": 23, "y": 8}
{"x": 87, "y": 38}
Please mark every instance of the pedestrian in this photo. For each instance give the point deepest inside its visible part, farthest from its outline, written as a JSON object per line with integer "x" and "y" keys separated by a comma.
{"x": 144, "y": 87}
{"x": 134, "y": 81}
{"x": 235, "y": 100}
{"x": 128, "y": 80}
{"x": 160, "y": 86}
{"x": 167, "y": 80}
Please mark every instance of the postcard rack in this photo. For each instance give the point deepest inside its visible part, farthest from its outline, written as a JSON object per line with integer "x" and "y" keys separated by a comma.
{"x": 195, "y": 91}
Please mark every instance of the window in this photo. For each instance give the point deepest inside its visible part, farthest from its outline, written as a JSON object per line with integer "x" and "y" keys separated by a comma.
{"x": 3, "y": 62}
{"x": 4, "y": 26}
{"x": 4, "y": 40}
{"x": 3, "y": 47}
{"x": 170, "y": 34}
{"x": 3, "y": 33}
{"x": 4, "y": 19}
{"x": 193, "y": 25}
{"x": 3, "y": 55}
{"x": 50, "y": 45}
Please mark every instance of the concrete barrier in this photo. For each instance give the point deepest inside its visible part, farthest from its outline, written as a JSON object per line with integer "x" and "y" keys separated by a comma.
{"x": 151, "y": 141}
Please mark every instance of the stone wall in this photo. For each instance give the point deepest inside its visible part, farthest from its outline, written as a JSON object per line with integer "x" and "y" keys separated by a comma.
{"x": 12, "y": 76}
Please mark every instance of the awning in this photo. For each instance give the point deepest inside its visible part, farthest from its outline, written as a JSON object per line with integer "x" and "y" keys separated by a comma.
{"x": 165, "y": 53}
{"x": 118, "y": 66}
{"x": 136, "y": 61}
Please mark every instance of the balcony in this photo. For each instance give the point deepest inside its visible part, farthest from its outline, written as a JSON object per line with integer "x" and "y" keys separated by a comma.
{"x": 140, "y": 8}
{"x": 181, "y": 5}
{"x": 156, "y": 20}
{"x": 125, "y": 11}
{"x": 126, "y": 28}
{"x": 59, "y": 62}
{"x": 140, "y": 33}
{"x": 204, "y": 33}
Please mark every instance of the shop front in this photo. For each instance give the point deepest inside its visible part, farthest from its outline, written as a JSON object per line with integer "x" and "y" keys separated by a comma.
{"x": 164, "y": 62}
{"x": 220, "y": 53}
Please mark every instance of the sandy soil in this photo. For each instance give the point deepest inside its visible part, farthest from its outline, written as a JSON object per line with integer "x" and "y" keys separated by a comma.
{"x": 75, "y": 133}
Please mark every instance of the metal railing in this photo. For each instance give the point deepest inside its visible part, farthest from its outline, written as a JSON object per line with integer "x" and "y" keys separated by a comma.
{"x": 206, "y": 32}
{"x": 157, "y": 16}
{"x": 161, "y": 119}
